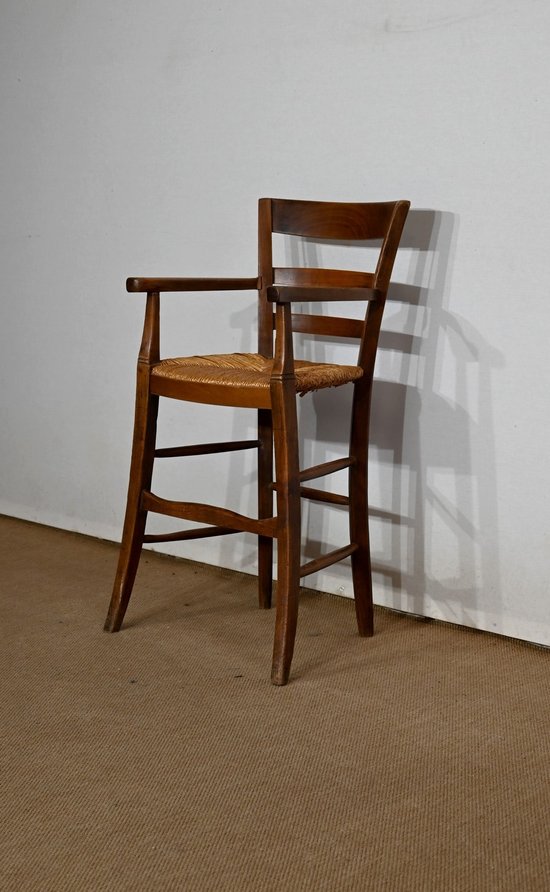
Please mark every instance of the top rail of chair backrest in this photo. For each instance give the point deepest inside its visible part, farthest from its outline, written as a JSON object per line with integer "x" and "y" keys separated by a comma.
{"x": 332, "y": 220}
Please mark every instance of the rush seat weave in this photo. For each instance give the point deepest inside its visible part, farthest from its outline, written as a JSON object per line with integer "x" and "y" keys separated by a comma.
{"x": 252, "y": 370}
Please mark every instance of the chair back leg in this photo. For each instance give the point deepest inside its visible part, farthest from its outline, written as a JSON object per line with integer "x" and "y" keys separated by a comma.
{"x": 358, "y": 508}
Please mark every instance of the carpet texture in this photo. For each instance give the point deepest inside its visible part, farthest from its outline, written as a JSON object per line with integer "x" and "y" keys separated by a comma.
{"x": 161, "y": 758}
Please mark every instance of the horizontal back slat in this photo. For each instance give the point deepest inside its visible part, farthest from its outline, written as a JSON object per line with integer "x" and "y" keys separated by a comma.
{"x": 330, "y": 278}
{"x": 328, "y": 220}
{"x": 330, "y": 326}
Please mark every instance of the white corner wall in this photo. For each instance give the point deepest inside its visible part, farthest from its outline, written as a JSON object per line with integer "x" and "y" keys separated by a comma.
{"x": 137, "y": 138}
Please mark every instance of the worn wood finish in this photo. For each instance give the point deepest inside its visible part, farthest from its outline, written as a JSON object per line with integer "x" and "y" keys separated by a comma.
{"x": 278, "y": 288}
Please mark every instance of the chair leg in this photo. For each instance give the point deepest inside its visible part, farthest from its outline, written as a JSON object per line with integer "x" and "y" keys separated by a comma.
{"x": 288, "y": 538}
{"x": 265, "y": 506}
{"x": 359, "y": 511}
{"x": 141, "y": 471}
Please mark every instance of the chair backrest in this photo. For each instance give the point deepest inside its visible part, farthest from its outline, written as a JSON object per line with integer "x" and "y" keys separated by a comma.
{"x": 335, "y": 221}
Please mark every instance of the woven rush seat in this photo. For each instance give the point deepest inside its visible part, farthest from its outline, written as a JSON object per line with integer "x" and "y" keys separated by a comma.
{"x": 252, "y": 370}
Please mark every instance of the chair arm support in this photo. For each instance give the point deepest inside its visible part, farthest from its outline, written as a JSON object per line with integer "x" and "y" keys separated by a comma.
{"x": 283, "y": 294}
{"x": 192, "y": 284}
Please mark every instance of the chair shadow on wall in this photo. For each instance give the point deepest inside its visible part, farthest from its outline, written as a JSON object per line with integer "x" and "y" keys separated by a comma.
{"x": 433, "y": 496}
{"x": 435, "y": 426}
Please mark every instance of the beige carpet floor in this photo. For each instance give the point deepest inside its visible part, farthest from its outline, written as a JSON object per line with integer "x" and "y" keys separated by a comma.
{"x": 161, "y": 758}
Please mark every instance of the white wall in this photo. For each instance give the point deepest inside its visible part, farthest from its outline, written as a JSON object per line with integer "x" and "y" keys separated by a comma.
{"x": 137, "y": 138}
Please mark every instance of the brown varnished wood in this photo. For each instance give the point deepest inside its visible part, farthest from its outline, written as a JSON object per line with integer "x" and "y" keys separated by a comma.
{"x": 200, "y": 513}
{"x": 141, "y": 467}
{"x": 289, "y": 293}
{"x": 149, "y": 351}
{"x": 332, "y": 220}
{"x": 327, "y": 560}
{"x": 319, "y": 495}
{"x": 310, "y": 277}
{"x": 277, "y": 289}
{"x": 192, "y": 284}
{"x": 266, "y": 324}
{"x": 185, "y": 535}
{"x": 265, "y": 269}
{"x": 358, "y": 473}
{"x": 329, "y": 326}
{"x": 285, "y": 429}
{"x": 206, "y": 448}
{"x": 358, "y": 513}
{"x": 326, "y": 467}
{"x": 265, "y": 506}
{"x": 390, "y": 245}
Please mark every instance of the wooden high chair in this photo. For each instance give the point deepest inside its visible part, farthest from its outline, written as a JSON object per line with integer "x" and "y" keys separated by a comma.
{"x": 269, "y": 381}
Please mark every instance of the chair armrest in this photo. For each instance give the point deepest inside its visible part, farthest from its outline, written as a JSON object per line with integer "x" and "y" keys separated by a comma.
{"x": 284, "y": 294}
{"x": 192, "y": 284}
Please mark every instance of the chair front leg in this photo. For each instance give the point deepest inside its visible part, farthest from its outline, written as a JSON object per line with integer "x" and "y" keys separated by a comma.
{"x": 141, "y": 471}
{"x": 288, "y": 525}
